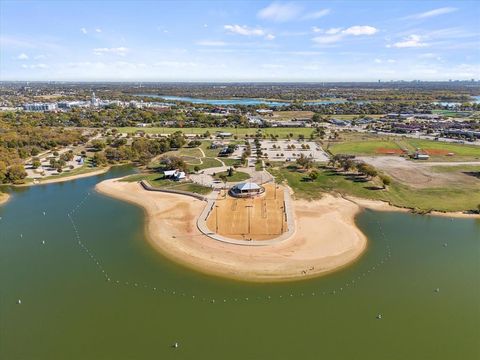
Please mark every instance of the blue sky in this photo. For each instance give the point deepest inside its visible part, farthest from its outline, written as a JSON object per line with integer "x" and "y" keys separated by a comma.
{"x": 239, "y": 40}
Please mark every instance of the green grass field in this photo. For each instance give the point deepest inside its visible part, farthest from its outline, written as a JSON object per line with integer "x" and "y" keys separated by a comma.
{"x": 369, "y": 147}
{"x": 367, "y": 144}
{"x": 282, "y": 132}
{"x": 441, "y": 199}
{"x": 237, "y": 176}
{"x": 206, "y": 163}
{"x": 157, "y": 180}
{"x": 457, "y": 168}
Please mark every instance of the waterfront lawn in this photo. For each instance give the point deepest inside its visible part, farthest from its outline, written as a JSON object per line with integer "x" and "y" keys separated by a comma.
{"x": 86, "y": 168}
{"x": 441, "y": 199}
{"x": 206, "y": 163}
{"x": 236, "y": 176}
{"x": 157, "y": 180}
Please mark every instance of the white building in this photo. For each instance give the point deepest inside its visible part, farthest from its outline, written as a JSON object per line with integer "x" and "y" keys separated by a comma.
{"x": 40, "y": 107}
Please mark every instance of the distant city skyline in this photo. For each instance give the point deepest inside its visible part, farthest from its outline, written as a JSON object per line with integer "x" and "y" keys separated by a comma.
{"x": 239, "y": 41}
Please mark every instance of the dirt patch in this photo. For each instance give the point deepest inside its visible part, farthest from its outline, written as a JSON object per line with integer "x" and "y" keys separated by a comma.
{"x": 419, "y": 175}
{"x": 386, "y": 151}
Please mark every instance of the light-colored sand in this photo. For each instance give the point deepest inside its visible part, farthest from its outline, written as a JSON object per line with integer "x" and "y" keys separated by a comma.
{"x": 259, "y": 218}
{"x": 326, "y": 238}
{"x": 68, "y": 178}
{"x": 3, "y": 198}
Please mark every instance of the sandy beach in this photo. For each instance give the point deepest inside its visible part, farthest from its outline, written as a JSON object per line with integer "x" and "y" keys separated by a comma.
{"x": 326, "y": 238}
{"x": 3, "y": 198}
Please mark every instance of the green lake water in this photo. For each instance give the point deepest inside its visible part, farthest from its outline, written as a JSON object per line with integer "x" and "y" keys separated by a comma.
{"x": 422, "y": 274}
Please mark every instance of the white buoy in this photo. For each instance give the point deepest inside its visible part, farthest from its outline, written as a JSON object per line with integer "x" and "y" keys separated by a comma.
{"x": 437, "y": 290}
{"x": 19, "y": 301}
{"x": 175, "y": 345}
{"x": 43, "y": 242}
{"x": 379, "y": 316}
{"x": 21, "y": 235}
{"x": 44, "y": 213}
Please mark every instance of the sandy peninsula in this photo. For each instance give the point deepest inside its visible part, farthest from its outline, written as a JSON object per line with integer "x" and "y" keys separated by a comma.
{"x": 325, "y": 240}
{"x": 59, "y": 179}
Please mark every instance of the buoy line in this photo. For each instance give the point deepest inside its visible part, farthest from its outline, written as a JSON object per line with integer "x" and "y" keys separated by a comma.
{"x": 265, "y": 298}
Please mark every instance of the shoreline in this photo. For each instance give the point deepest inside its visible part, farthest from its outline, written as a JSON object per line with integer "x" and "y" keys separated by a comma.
{"x": 4, "y": 198}
{"x": 380, "y": 205}
{"x": 67, "y": 178}
{"x": 327, "y": 238}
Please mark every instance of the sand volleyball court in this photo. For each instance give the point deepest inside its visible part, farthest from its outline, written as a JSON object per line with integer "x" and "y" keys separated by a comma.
{"x": 257, "y": 218}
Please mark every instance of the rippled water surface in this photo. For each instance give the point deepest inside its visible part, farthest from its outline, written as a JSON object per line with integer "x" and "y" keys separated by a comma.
{"x": 97, "y": 290}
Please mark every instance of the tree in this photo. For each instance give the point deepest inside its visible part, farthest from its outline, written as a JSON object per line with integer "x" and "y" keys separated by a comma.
{"x": 99, "y": 159}
{"x": 98, "y": 144}
{"x": 36, "y": 163}
{"x": 173, "y": 163}
{"x": 196, "y": 168}
{"x": 3, "y": 171}
{"x": 313, "y": 175}
{"x": 304, "y": 162}
{"x": 16, "y": 173}
{"x": 386, "y": 181}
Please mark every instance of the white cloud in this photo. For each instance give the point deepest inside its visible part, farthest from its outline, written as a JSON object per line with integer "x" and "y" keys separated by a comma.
{"x": 317, "y": 14}
{"x": 432, "y": 13}
{"x": 324, "y": 40}
{"x": 248, "y": 31}
{"x": 22, "y": 56}
{"x": 333, "y": 31}
{"x": 411, "y": 41}
{"x": 377, "y": 61}
{"x": 316, "y": 29}
{"x": 244, "y": 30}
{"x": 98, "y": 30}
{"x": 35, "y": 66}
{"x": 211, "y": 43}
{"x": 83, "y": 30}
{"x": 360, "y": 30}
{"x": 334, "y": 35}
{"x": 122, "y": 51}
{"x": 280, "y": 12}
{"x": 40, "y": 57}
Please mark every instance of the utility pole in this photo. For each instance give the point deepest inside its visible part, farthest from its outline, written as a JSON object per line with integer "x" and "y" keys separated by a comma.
{"x": 216, "y": 219}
